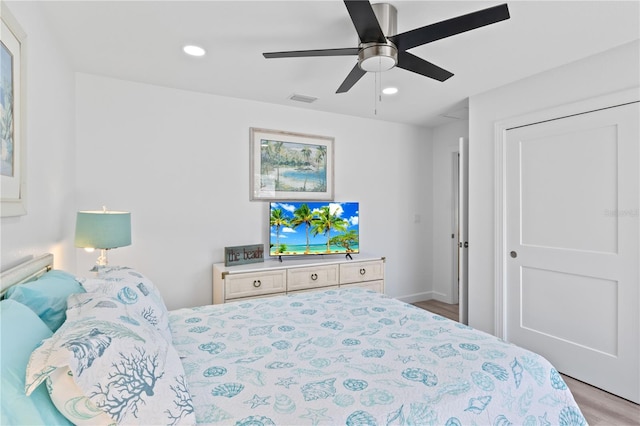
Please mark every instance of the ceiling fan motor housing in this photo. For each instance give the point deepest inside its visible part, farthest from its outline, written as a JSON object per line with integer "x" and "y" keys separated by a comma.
{"x": 377, "y": 57}
{"x": 387, "y": 16}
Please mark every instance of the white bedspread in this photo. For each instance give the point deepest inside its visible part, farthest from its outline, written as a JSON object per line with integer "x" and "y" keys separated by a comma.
{"x": 356, "y": 357}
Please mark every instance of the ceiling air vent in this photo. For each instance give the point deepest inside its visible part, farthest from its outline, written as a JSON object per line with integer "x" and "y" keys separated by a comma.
{"x": 303, "y": 98}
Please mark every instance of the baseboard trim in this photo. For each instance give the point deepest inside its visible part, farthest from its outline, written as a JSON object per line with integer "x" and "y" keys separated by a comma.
{"x": 417, "y": 297}
{"x": 441, "y": 297}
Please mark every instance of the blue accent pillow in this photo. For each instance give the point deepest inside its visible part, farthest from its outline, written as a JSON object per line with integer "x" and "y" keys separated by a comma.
{"x": 21, "y": 331}
{"x": 47, "y": 296}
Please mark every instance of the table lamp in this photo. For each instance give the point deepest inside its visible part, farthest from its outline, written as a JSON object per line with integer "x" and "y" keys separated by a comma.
{"x": 103, "y": 230}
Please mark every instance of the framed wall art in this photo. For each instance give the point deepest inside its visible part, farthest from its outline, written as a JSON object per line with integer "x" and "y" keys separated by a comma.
{"x": 12, "y": 115}
{"x": 290, "y": 166}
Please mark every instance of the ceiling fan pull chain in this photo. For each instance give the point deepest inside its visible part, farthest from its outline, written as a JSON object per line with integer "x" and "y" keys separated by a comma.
{"x": 380, "y": 83}
{"x": 375, "y": 97}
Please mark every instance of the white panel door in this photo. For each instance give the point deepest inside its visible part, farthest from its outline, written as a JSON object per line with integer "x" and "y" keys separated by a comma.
{"x": 572, "y": 234}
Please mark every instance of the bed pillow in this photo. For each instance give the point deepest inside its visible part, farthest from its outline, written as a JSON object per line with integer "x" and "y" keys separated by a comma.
{"x": 47, "y": 296}
{"x": 21, "y": 331}
{"x": 120, "y": 363}
{"x": 71, "y": 401}
{"x": 134, "y": 289}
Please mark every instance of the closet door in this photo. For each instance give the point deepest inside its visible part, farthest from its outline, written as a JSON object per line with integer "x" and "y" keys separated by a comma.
{"x": 571, "y": 191}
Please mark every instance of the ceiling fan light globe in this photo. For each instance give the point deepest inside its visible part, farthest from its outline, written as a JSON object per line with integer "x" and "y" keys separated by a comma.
{"x": 377, "y": 64}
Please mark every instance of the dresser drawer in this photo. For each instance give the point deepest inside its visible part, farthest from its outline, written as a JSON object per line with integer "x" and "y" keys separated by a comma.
{"x": 377, "y": 286}
{"x": 310, "y": 289}
{"x": 361, "y": 271}
{"x": 254, "y": 284}
{"x": 312, "y": 277}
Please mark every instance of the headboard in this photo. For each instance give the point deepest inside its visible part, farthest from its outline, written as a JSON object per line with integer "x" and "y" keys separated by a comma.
{"x": 26, "y": 271}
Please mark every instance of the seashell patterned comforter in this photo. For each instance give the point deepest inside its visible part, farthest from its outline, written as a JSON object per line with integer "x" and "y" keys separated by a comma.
{"x": 356, "y": 357}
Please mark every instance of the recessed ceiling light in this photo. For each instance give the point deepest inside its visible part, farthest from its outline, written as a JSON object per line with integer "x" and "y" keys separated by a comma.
{"x": 390, "y": 90}
{"x": 194, "y": 50}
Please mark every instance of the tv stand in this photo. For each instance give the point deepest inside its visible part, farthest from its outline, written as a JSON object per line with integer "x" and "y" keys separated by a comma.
{"x": 271, "y": 277}
{"x": 348, "y": 256}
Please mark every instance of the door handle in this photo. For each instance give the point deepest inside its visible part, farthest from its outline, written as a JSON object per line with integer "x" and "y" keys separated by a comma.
{"x": 513, "y": 254}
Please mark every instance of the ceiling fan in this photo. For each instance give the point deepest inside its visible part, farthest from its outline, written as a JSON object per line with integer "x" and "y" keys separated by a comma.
{"x": 381, "y": 49}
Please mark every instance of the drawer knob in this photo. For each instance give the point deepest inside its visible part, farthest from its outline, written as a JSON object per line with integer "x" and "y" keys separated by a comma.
{"x": 257, "y": 283}
{"x": 314, "y": 276}
{"x": 363, "y": 271}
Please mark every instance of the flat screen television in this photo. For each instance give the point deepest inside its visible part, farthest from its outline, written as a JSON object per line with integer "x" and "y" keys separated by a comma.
{"x": 313, "y": 228}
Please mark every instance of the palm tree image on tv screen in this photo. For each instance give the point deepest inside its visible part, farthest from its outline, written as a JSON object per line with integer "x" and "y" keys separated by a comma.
{"x": 307, "y": 228}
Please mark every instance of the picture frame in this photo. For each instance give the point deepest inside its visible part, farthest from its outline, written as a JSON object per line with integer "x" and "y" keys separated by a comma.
{"x": 288, "y": 166}
{"x": 13, "y": 79}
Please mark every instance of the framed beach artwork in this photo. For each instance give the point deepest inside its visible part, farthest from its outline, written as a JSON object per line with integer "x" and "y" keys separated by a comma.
{"x": 290, "y": 166}
{"x": 12, "y": 109}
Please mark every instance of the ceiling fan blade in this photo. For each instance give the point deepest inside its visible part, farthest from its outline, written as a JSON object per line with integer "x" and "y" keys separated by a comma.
{"x": 412, "y": 63}
{"x": 353, "y": 77}
{"x": 365, "y": 21}
{"x": 450, "y": 27}
{"x": 348, "y": 51}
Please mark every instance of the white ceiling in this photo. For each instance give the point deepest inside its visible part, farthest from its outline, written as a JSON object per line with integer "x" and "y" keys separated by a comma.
{"x": 142, "y": 40}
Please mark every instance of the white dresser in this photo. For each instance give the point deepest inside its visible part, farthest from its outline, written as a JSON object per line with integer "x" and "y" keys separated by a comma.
{"x": 272, "y": 277}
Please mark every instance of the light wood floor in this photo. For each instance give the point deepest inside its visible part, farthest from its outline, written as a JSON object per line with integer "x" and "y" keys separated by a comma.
{"x": 598, "y": 407}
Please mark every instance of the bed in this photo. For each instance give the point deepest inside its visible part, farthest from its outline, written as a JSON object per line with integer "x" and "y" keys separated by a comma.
{"x": 346, "y": 356}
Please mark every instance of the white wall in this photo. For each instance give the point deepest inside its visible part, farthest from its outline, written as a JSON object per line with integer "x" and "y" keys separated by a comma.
{"x": 179, "y": 161}
{"x": 48, "y": 225}
{"x": 445, "y": 144}
{"x": 608, "y": 72}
